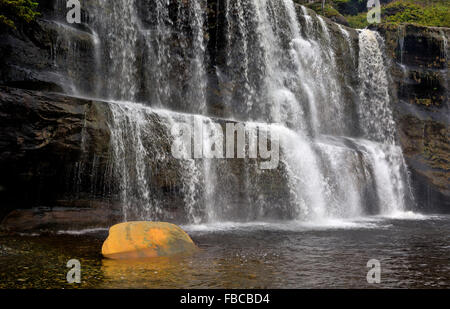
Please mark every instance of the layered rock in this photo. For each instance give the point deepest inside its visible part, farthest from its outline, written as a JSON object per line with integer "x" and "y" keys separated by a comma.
{"x": 419, "y": 63}
{"x": 55, "y": 152}
{"x": 42, "y": 138}
{"x": 48, "y": 55}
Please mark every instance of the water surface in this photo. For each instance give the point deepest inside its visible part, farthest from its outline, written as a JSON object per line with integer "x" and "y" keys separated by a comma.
{"x": 414, "y": 252}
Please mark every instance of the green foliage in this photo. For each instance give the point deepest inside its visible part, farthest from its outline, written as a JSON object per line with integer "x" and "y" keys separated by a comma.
{"x": 350, "y": 7}
{"x": 12, "y": 11}
{"x": 425, "y": 13}
{"x": 357, "y": 21}
{"x": 328, "y": 11}
{"x": 435, "y": 13}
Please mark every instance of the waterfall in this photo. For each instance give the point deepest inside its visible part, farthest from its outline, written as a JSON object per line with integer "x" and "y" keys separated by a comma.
{"x": 349, "y": 42}
{"x": 305, "y": 178}
{"x": 401, "y": 41}
{"x": 275, "y": 75}
{"x": 158, "y": 55}
{"x": 374, "y": 107}
{"x": 128, "y": 126}
{"x": 308, "y": 19}
{"x": 197, "y": 79}
{"x": 174, "y": 74}
{"x": 117, "y": 25}
{"x": 261, "y": 87}
{"x": 237, "y": 47}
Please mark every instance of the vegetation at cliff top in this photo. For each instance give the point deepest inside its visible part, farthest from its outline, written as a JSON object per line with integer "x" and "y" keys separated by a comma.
{"x": 435, "y": 13}
{"x": 12, "y": 11}
{"x": 329, "y": 11}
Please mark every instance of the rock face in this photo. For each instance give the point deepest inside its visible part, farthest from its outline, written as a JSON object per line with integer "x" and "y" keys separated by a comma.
{"x": 42, "y": 136}
{"x": 44, "y": 55}
{"x": 419, "y": 68}
{"x": 55, "y": 153}
{"x": 132, "y": 240}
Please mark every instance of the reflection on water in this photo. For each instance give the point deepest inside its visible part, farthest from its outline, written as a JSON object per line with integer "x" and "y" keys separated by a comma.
{"x": 414, "y": 252}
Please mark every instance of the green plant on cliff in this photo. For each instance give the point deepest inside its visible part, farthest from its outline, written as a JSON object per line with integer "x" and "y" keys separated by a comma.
{"x": 350, "y": 7}
{"x": 435, "y": 13}
{"x": 328, "y": 11}
{"x": 358, "y": 21}
{"x": 12, "y": 11}
{"x": 407, "y": 12}
{"x": 426, "y": 13}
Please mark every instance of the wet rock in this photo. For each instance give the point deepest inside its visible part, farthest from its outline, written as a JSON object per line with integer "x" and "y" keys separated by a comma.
{"x": 48, "y": 55}
{"x": 146, "y": 240}
{"x": 43, "y": 137}
{"x": 55, "y": 152}
{"x": 419, "y": 68}
{"x": 57, "y": 219}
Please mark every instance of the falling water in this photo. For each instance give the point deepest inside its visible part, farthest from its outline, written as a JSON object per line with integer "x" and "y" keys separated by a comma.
{"x": 349, "y": 42}
{"x": 127, "y": 128}
{"x": 374, "y": 107}
{"x": 275, "y": 72}
{"x": 401, "y": 41}
{"x": 117, "y": 25}
{"x": 237, "y": 35}
{"x": 174, "y": 73}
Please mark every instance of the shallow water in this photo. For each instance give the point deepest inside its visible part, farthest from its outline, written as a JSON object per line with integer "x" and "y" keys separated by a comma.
{"x": 414, "y": 252}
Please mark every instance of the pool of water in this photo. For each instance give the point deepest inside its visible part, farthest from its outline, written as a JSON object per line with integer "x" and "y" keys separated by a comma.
{"x": 414, "y": 252}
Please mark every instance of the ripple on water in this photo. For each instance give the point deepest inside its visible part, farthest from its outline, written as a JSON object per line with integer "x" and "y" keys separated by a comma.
{"x": 332, "y": 253}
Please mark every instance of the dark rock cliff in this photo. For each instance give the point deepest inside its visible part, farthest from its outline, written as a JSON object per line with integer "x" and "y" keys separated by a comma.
{"x": 42, "y": 137}
{"x": 55, "y": 157}
{"x": 44, "y": 56}
{"x": 419, "y": 68}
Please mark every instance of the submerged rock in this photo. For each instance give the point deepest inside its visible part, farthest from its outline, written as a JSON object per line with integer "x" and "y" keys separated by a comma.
{"x": 146, "y": 240}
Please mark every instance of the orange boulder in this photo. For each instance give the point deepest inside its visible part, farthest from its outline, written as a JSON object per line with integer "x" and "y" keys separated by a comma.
{"x": 145, "y": 240}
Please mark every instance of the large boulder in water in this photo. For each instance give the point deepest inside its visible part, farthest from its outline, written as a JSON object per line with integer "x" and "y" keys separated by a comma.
{"x": 145, "y": 240}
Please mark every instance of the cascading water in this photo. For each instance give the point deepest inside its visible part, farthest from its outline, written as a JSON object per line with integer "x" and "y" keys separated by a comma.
{"x": 349, "y": 42}
{"x": 118, "y": 27}
{"x": 174, "y": 74}
{"x": 339, "y": 157}
{"x": 374, "y": 109}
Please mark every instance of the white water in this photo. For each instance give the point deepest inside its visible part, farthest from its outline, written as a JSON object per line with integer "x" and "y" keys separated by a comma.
{"x": 117, "y": 24}
{"x": 323, "y": 177}
{"x": 271, "y": 74}
{"x": 374, "y": 108}
{"x": 349, "y": 43}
